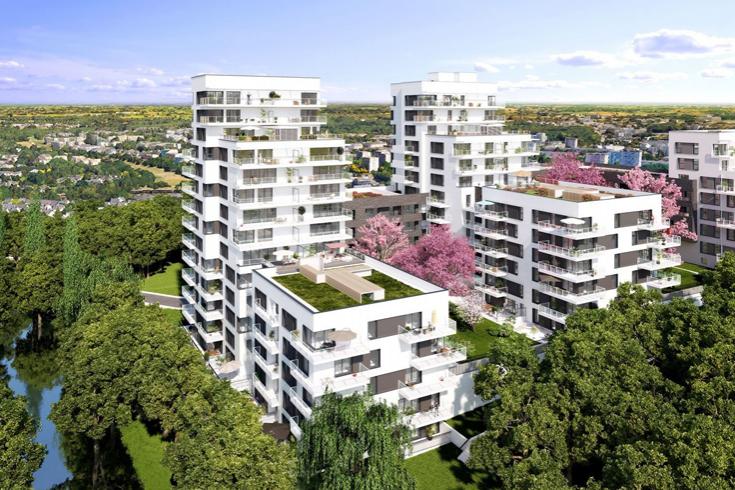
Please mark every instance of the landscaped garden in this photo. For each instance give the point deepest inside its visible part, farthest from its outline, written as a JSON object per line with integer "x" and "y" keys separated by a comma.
{"x": 324, "y": 297}
{"x": 469, "y": 424}
{"x": 479, "y": 340}
{"x": 440, "y": 469}
{"x": 166, "y": 282}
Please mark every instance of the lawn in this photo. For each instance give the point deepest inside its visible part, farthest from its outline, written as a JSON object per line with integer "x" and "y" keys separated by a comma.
{"x": 146, "y": 451}
{"x": 166, "y": 282}
{"x": 394, "y": 289}
{"x": 324, "y": 297}
{"x": 440, "y": 469}
{"x": 170, "y": 178}
{"x": 478, "y": 341}
{"x": 690, "y": 276}
{"x": 469, "y": 424}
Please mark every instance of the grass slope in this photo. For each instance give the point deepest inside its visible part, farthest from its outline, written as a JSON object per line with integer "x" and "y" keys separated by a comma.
{"x": 478, "y": 340}
{"x": 166, "y": 282}
{"x": 170, "y": 178}
{"x": 146, "y": 451}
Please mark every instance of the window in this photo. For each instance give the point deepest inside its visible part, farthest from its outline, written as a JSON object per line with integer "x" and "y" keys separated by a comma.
{"x": 437, "y": 147}
{"x": 372, "y": 360}
{"x": 437, "y": 179}
{"x": 437, "y": 163}
{"x": 372, "y": 329}
{"x": 410, "y": 130}
{"x": 687, "y": 148}
{"x": 342, "y": 367}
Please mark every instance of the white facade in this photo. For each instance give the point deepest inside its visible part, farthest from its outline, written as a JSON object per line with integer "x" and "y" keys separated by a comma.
{"x": 395, "y": 347}
{"x": 449, "y": 139}
{"x": 544, "y": 250}
{"x": 265, "y": 182}
{"x": 706, "y": 159}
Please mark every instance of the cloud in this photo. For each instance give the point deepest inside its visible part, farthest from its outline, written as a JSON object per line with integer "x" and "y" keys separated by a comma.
{"x": 10, "y": 64}
{"x": 143, "y": 83}
{"x": 583, "y": 58}
{"x": 727, "y": 63}
{"x": 85, "y": 79}
{"x": 182, "y": 81}
{"x": 101, "y": 88}
{"x": 651, "y": 76}
{"x": 532, "y": 82}
{"x": 716, "y": 73}
{"x": 485, "y": 67}
{"x": 670, "y": 43}
{"x": 151, "y": 71}
{"x": 56, "y": 86}
{"x": 7, "y": 81}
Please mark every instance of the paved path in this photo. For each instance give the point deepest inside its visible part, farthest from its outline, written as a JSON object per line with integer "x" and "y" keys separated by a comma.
{"x": 165, "y": 300}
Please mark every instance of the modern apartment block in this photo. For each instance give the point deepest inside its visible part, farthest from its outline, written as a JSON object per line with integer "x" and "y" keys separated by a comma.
{"x": 267, "y": 183}
{"x": 703, "y": 163}
{"x": 347, "y": 323}
{"x": 449, "y": 140}
{"x": 407, "y": 209}
{"x": 545, "y": 250}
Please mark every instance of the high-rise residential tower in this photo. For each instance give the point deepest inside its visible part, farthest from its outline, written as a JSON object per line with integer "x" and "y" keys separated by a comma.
{"x": 449, "y": 141}
{"x": 267, "y": 183}
{"x": 703, "y": 164}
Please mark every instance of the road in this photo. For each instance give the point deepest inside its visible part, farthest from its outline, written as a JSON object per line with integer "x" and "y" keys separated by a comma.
{"x": 164, "y": 300}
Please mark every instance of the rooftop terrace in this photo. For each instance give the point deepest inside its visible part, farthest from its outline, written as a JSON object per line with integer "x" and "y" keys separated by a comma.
{"x": 572, "y": 192}
{"x": 342, "y": 280}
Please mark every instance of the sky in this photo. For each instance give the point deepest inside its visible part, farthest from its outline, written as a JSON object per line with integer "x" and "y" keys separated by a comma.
{"x": 643, "y": 51}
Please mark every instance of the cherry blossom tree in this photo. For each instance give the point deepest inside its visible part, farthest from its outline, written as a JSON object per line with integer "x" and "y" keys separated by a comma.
{"x": 566, "y": 167}
{"x": 472, "y": 307}
{"x": 440, "y": 258}
{"x": 381, "y": 237}
{"x": 638, "y": 179}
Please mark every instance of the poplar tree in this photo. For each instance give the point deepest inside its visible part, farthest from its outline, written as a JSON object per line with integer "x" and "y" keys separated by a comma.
{"x": 34, "y": 230}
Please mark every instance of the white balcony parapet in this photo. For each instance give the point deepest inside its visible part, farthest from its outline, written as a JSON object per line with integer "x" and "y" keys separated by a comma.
{"x": 577, "y": 275}
{"x": 269, "y": 395}
{"x": 433, "y": 415}
{"x": 549, "y": 312}
{"x": 358, "y": 379}
{"x": 429, "y": 332}
{"x": 659, "y": 261}
{"x": 665, "y": 241}
{"x": 491, "y": 215}
{"x": 446, "y": 354}
{"x": 496, "y": 252}
{"x": 725, "y": 223}
{"x": 663, "y": 279}
{"x": 573, "y": 253}
{"x": 420, "y": 390}
{"x": 494, "y": 291}
{"x": 550, "y": 227}
{"x": 574, "y": 297}
{"x": 493, "y": 270}
{"x": 649, "y": 224}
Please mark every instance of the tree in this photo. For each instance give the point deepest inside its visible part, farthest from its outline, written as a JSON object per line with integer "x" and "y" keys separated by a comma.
{"x": 638, "y": 179}
{"x": 471, "y": 308}
{"x": 20, "y": 456}
{"x": 74, "y": 273}
{"x": 38, "y": 287}
{"x": 440, "y": 258}
{"x": 381, "y": 237}
{"x": 2, "y": 233}
{"x": 34, "y": 229}
{"x": 566, "y": 167}
{"x": 340, "y": 432}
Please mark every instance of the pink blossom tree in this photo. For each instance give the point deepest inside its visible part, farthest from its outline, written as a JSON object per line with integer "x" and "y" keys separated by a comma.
{"x": 643, "y": 180}
{"x": 566, "y": 167}
{"x": 440, "y": 258}
{"x": 381, "y": 237}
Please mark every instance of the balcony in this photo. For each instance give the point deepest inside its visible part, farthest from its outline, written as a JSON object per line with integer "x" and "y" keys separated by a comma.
{"x": 494, "y": 233}
{"x": 328, "y": 352}
{"x": 650, "y": 224}
{"x": 357, "y": 379}
{"x": 493, "y": 270}
{"x": 591, "y": 294}
{"x": 296, "y": 400}
{"x": 447, "y": 354}
{"x": 269, "y": 340}
{"x": 435, "y": 218}
{"x": 211, "y": 333}
{"x": 188, "y": 275}
{"x": 188, "y": 205}
{"x": 189, "y": 313}
{"x": 573, "y": 275}
{"x": 492, "y": 251}
{"x": 430, "y": 332}
{"x": 725, "y": 223}
{"x": 551, "y": 313}
{"x": 420, "y": 390}
{"x": 571, "y": 252}
{"x": 660, "y": 260}
{"x": 494, "y": 291}
{"x": 566, "y": 230}
{"x": 723, "y": 189}
{"x": 663, "y": 279}
{"x": 431, "y": 416}
{"x": 481, "y": 212}
{"x": 269, "y": 395}
{"x": 664, "y": 241}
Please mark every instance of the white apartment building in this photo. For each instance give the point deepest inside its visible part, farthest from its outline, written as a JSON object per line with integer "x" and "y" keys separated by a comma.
{"x": 545, "y": 250}
{"x": 348, "y": 323}
{"x": 267, "y": 183}
{"x": 449, "y": 140}
{"x": 703, "y": 163}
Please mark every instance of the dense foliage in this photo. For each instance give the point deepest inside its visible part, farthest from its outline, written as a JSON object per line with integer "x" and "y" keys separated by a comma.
{"x": 639, "y": 395}
{"x": 338, "y": 436}
{"x": 381, "y": 237}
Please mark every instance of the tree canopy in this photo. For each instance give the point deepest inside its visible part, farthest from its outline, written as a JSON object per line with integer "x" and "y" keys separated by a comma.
{"x": 340, "y": 432}
{"x": 381, "y": 237}
{"x": 637, "y": 395}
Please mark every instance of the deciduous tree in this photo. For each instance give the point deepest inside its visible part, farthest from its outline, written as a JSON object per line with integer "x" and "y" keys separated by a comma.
{"x": 20, "y": 455}
{"x": 338, "y": 436}
{"x": 381, "y": 237}
{"x": 441, "y": 258}
{"x": 566, "y": 167}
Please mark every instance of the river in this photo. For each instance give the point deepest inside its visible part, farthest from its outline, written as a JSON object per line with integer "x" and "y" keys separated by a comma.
{"x": 40, "y": 400}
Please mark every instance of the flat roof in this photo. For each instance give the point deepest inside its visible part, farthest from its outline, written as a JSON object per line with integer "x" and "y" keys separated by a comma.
{"x": 566, "y": 190}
